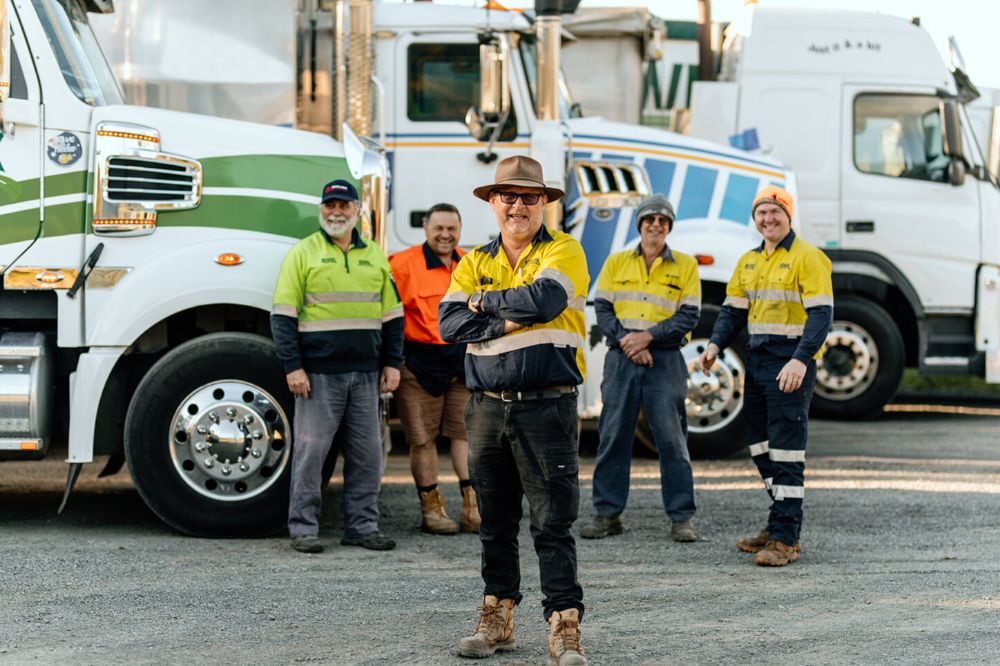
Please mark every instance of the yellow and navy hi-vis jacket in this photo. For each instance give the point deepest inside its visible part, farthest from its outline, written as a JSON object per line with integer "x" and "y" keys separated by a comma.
{"x": 336, "y": 311}
{"x": 664, "y": 300}
{"x": 545, "y": 292}
{"x": 785, "y": 300}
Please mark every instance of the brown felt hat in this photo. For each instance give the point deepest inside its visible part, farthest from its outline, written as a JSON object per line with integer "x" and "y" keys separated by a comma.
{"x": 518, "y": 171}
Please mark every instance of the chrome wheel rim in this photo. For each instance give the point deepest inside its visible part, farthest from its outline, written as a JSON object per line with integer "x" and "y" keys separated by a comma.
{"x": 850, "y": 363}
{"x": 714, "y": 399}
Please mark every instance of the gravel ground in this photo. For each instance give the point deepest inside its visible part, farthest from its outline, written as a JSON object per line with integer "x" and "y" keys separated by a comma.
{"x": 899, "y": 566}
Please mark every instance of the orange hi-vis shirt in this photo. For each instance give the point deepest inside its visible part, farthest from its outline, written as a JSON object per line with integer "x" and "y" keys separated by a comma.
{"x": 422, "y": 280}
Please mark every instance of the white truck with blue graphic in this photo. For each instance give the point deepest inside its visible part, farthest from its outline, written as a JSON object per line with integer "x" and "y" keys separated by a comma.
{"x": 139, "y": 249}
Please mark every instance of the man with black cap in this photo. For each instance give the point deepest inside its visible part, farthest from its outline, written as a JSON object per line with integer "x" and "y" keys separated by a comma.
{"x": 782, "y": 291}
{"x": 647, "y": 302}
{"x": 337, "y": 324}
{"x": 518, "y": 302}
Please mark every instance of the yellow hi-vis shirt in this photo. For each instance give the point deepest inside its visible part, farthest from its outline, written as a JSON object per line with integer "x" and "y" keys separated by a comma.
{"x": 778, "y": 294}
{"x": 546, "y": 292}
{"x": 646, "y": 300}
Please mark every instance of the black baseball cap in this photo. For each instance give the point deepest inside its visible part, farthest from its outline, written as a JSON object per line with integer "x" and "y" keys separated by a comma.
{"x": 339, "y": 189}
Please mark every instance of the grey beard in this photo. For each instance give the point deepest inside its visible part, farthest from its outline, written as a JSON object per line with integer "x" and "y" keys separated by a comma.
{"x": 336, "y": 229}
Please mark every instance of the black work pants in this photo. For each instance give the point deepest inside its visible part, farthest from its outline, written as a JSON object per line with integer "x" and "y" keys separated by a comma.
{"x": 527, "y": 448}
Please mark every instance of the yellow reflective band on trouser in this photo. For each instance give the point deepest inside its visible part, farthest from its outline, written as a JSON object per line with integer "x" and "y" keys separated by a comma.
{"x": 343, "y": 297}
{"x": 816, "y": 301}
{"x": 392, "y": 314}
{"x": 759, "y": 448}
{"x": 558, "y": 276}
{"x": 782, "y": 295}
{"x": 638, "y": 324}
{"x": 779, "y": 492}
{"x": 786, "y": 455}
{"x": 365, "y": 323}
{"x": 286, "y": 310}
{"x": 456, "y": 297}
{"x": 737, "y": 302}
{"x": 515, "y": 341}
{"x": 792, "y": 330}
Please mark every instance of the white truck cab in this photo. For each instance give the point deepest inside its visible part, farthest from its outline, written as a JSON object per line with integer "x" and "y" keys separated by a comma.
{"x": 892, "y": 184}
{"x": 139, "y": 249}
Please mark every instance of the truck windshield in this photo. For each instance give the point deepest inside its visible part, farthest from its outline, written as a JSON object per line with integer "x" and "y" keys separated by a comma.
{"x": 80, "y": 58}
{"x": 567, "y": 109}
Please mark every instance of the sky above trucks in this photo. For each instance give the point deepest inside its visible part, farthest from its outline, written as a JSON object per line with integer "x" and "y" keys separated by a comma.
{"x": 972, "y": 22}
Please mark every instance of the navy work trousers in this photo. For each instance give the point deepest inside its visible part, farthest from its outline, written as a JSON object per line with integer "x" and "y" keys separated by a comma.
{"x": 661, "y": 390}
{"x": 777, "y": 426}
{"x": 527, "y": 448}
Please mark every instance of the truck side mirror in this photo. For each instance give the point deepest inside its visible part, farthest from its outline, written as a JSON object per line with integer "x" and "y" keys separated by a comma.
{"x": 952, "y": 144}
{"x": 494, "y": 90}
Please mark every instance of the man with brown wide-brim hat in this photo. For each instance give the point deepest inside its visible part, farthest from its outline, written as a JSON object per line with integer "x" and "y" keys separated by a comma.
{"x": 518, "y": 302}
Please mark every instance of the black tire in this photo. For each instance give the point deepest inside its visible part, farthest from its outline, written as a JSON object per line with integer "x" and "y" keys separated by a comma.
{"x": 221, "y": 396}
{"x": 715, "y": 405}
{"x": 862, "y": 367}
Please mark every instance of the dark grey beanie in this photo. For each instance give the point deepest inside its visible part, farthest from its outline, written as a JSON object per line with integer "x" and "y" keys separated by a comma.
{"x": 655, "y": 205}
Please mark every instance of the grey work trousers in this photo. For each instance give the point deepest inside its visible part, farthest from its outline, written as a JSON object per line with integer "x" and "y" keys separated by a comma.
{"x": 347, "y": 402}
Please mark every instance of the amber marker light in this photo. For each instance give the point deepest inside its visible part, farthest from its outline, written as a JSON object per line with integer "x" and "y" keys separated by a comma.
{"x": 705, "y": 259}
{"x": 29, "y": 446}
{"x": 49, "y": 277}
{"x": 128, "y": 135}
{"x": 229, "y": 259}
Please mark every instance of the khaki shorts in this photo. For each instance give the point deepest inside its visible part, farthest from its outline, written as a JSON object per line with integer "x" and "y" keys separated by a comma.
{"x": 425, "y": 416}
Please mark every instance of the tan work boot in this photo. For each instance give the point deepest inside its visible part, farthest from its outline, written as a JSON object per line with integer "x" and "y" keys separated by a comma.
{"x": 776, "y": 554}
{"x": 434, "y": 519}
{"x": 494, "y": 632}
{"x": 683, "y": 531}
{"x": 564, "y": 639}
{"x": 755, "y": 544}
{"x": 470, "y": 511}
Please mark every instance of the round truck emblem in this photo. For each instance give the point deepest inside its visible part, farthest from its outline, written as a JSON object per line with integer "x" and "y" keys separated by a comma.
{"x": 64, "y": 148}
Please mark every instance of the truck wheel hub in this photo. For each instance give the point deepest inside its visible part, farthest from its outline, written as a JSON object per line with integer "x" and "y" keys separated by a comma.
{"x": 850, "y": 363}
{"x": 715, "y": 399}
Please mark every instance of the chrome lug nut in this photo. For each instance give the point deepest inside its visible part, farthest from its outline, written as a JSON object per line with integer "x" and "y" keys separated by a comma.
{"x": 257, "y": 434}
{"x": 213, "y": 417}
{"x": 255, "y": 453}
{"x": 244, "y": 467}
{"x": 231, "y": 412}
{"x": 227, "y": 470}
{"x": 209, "y": 463}
{"x": 199, "y": 446}
{"x": 202, "y": 430}
{"x": 248, "y": 419}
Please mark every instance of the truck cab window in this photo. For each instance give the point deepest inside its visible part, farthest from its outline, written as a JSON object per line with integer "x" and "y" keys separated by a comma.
{"x": 899, "y": 136}
{"x": 18, "y": 86}
{"x": 443, "y": 82}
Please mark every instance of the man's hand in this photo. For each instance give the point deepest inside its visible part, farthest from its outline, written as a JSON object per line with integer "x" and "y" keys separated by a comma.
{"x": 509, "y": 326}
{"x": 298, "y": 383}
{"x": 635, "y": 342}
{"x": 389, "y": 381}
{"x": 707, "y": 358}
{"x": 791, "y": 376}
{"x": 642, "y": 358}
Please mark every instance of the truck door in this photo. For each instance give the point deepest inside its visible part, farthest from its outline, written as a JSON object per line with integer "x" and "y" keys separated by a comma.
{"x": 434, "y": 159}
{"x": 898, "y": 201}
{"x": 20, "y": 151}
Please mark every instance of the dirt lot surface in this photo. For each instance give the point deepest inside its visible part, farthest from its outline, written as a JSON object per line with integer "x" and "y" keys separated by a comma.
{"x": 900, "y": 565}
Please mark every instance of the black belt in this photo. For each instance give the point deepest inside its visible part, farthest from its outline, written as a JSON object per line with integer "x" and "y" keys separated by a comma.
{"x": 544, "y": 394}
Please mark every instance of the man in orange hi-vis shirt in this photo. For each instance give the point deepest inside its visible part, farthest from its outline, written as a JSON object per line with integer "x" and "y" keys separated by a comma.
{"x": 432, "y": 396}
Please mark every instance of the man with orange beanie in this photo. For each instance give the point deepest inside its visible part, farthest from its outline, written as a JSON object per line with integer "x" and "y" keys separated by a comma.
{"x": 782, "y": 291}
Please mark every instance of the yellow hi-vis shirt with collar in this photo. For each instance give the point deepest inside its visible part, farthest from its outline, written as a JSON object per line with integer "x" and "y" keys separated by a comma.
{"x": 546, "y": 292}
{"x": 335, "y": 311}
{"x": 786, "y": 299}
{"x": 646, "y": 300}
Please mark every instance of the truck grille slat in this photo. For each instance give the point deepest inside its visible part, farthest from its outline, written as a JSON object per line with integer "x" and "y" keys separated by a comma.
{"x": 144, "y": 180}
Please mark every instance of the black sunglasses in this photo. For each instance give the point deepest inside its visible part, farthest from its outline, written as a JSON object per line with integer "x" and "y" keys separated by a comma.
{"x": 529, "y": 199}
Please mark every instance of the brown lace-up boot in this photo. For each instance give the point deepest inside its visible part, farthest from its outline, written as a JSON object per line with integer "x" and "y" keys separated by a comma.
{"x": 470, "y": 511}
{"x": 777, "y": 554}
{"x": 564, "y": 639}
{"x": 494, "y": 632}
{"x": 755, "y": 544}
{"x": 434, "y": 519}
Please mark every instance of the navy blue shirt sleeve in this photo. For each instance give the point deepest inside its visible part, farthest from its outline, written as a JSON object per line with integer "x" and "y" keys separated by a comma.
{"x": 609, "y": 324}
{"x": 818, "y": 322}
{"x": 671, "y": 331}
{"x": 285, "y": 333}
{"x": 728, "y": 325}
{"x": 391, "y": 354}
{"x": 536, "y": 303}
{"x": 457, "y": 323}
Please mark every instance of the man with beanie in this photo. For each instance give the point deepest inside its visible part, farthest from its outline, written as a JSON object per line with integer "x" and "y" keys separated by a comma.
{"x": 647, "y": 301}
{"x": 518, "y": 302}
{"x": 782, "y": 291}
{"x": 337, "y": 325}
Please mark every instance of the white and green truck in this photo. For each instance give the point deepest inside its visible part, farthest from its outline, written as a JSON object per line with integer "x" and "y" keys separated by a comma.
{"x": 139, "y": 249}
